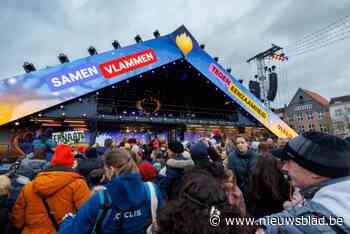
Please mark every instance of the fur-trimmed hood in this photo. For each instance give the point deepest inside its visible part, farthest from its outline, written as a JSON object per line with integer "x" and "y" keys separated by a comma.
{"x": 180, "y": 162}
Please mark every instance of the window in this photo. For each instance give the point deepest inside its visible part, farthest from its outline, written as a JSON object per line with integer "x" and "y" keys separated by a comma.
{"x": 320, "y": 115}
{"x": 309, "y": 116}
{"x": 338, "y": 112}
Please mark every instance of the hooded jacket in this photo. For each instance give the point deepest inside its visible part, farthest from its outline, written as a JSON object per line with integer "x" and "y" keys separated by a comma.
{"x": 130, "y": 210}
{"x": 175, "y": 169}
{"x": 330, "y": 198}
{"x": 64, "y": 190}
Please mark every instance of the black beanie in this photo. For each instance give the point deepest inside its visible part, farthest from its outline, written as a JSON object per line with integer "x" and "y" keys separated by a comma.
{"x": 321, "y": 153}
{"x": 176, "y": 147}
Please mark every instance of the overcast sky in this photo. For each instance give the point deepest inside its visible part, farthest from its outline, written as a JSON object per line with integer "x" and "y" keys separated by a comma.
{"x": 37, "y": 31}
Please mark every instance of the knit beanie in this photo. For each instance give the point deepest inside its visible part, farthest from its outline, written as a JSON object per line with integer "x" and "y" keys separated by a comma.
{"x": 63, "y": 156}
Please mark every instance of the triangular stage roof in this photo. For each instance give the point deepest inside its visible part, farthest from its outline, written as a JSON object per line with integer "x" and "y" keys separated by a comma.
{"x": 31, "y": 93}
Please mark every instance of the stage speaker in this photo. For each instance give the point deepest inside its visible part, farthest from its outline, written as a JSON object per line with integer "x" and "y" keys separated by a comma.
{"x": 271, "y": 94}
{"x": 105, "y": 109}
{"x": 254, "y": 87}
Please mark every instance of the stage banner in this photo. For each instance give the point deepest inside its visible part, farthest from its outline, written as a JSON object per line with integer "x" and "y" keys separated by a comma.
{"x": 31, "y": 93}
{"x": 213, "y": 71}
{"x": 70, "y": 137}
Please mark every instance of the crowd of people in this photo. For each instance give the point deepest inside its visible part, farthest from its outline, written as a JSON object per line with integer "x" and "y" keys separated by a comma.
{"x": 177, "y": 187}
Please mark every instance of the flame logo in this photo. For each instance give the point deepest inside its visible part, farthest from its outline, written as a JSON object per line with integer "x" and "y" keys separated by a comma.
{"x": 184, "y": 43}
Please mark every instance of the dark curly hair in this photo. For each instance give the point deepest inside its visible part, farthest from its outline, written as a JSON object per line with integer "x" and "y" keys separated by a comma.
{"x": 190, "y": 213}
{"x": 268, "y": 188}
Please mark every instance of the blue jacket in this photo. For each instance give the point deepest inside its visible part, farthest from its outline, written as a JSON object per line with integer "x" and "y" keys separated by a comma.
{"x": 242, "y": 165}
{"x": 129, "y": 195}
{"x": 175, "y": 169}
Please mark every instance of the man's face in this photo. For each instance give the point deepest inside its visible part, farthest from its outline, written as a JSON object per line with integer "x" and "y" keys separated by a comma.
{"x": 242, "y": 145}
{"x": 299, "y": 176}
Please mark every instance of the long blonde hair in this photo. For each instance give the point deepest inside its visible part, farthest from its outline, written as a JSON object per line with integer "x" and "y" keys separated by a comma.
{"x": 5, "y": 185}
{"x": 121, "y": 160}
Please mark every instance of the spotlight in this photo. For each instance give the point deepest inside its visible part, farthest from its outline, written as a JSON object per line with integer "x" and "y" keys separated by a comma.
{"x": 92, "y": 51}
{"x": 202, "y": 46}
{"x": 40, "y": 115}
{"x": 116, "y": 45}
{"x": 80, "y": 100}
{"x": 28, "y": 67}
{"x": 63, "y": 58}
{"x": 216, "y": 59}
{"x": 97, "y": 93}
{"x": 113, "y": 87}
{"x": 229, "y": 70}
{"x": 138, "y": 38}
{"x": 156, "y": 34}
{"x": 84, "y": 115}
{"x": 61, "y": 106}
{"x": 16, "y": 123}
{"x": 63, "y": 114}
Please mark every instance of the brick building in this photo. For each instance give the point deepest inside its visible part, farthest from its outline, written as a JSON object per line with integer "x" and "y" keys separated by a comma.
{"x": 308, "y": 111}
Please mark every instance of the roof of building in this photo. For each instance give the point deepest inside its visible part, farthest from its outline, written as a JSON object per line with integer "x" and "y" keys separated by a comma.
{"x": 318, "y": 98}
{"x": 340, "y": 99}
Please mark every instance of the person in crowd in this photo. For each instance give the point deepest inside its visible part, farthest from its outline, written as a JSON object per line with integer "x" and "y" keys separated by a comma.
{"x": 318, "y": 164}
{"x": 254, "y": 146}
{"x": 263, "y": 149}
{"x": 200, "y": 198}
{"x": 43, "y": 202}
{"x": 270, "y": 142}
{"x": 200, "y": 157}
{"x": 127, "y": 201}
{"x": 242, "y": 162}
{"x": 44, "y": 141}
{"x": 91, "y": 162}
{"x": 5, "y": 190}
{"x": 233, "y": 193}
{"x": 137, "y": 159}
{"x": 174, "y": 170}
{"x": 156, "y": 157}
{"x": 268, "y": 188}
{"x": 148, "y": 171}
{"x": 229, "y": 146}
{"x": 97, "y": 180}
{"x": 214, "y": 155}
{"x": 30, "y": 167}
{"x": 107, "y": 147}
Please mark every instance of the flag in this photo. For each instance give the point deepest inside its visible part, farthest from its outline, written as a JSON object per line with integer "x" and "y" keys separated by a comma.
{"x": 279, "y": 57}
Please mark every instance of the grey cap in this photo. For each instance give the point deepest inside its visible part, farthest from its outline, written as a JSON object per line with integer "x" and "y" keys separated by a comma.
{"x": 321, "y": 153}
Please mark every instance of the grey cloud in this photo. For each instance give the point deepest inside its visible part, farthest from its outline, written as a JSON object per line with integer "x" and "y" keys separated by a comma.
{"x": 37, "y": 31}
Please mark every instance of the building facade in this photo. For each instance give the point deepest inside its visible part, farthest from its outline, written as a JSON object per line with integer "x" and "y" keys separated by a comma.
{"x": 340, "y": 115}
{"x": 308, "y": 111}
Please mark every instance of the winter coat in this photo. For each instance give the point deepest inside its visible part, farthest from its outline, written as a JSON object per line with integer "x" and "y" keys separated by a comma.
{"x": 64, "y": 190}
{"x": 329, "y": 199}
{"x": 242, "y": 166}
{"x": 175, "y": 169}
{"x": 129, "y": 212}
{"x": 4, "y": 214}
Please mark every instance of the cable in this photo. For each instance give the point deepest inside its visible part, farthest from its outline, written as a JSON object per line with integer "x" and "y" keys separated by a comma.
{"x": 321, "y": 46}
{"x": 309, "y": 36}
{"x": 325, "y": 40}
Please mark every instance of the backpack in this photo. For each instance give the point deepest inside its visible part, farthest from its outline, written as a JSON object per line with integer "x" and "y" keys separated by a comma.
{"x": 105, "y": 205}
